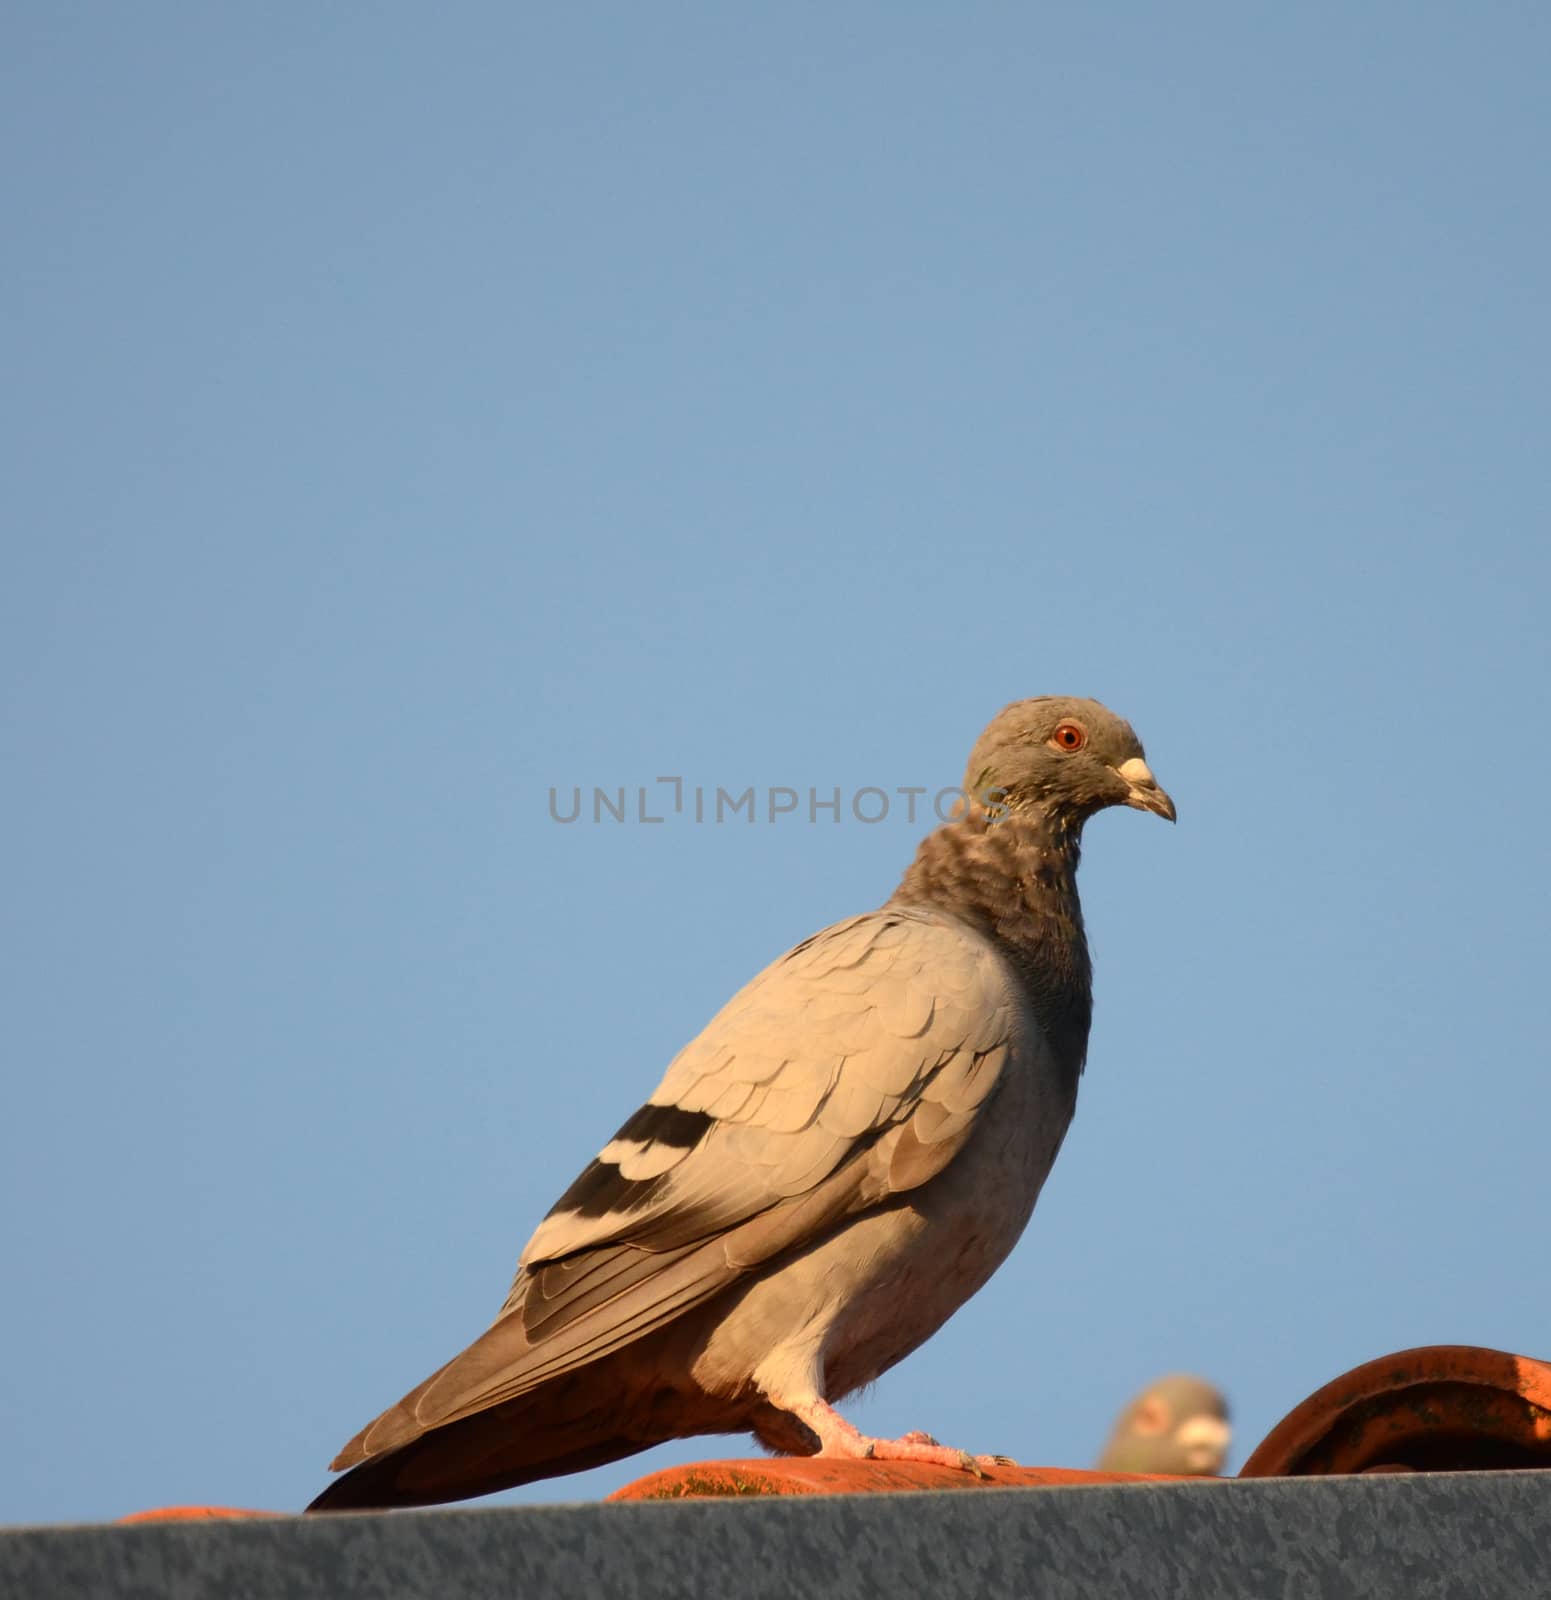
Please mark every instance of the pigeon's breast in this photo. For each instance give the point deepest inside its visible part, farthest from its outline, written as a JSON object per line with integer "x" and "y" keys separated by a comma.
{"x": 924, "y": 1257}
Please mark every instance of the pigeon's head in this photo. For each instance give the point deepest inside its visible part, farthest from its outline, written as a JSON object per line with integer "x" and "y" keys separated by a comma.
{"x": 1066, "y": 756}
{"x": 1178, "y": 1424}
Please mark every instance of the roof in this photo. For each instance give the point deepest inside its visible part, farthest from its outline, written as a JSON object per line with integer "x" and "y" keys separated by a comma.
{"x": 1411, "y": 1537}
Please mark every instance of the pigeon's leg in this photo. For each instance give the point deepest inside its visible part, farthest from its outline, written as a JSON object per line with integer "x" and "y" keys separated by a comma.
{"x": 837, "y": 1437}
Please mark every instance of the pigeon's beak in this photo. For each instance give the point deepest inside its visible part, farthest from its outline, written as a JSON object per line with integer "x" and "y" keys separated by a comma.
{"x": 1145, "y": 794}
{"x": 1204, "y": 1442}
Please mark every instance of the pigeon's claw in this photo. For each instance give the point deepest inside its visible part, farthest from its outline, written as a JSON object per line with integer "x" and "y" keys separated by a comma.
{"x": 837, "y": 1437}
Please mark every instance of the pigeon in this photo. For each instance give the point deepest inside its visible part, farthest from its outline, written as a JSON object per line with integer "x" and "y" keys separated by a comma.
{"x": 1177, "y": 1425}
{"x": 824, "y": 1175}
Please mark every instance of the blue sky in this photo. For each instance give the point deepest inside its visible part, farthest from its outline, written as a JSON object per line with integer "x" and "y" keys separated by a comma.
{"x": 408, "y": 409}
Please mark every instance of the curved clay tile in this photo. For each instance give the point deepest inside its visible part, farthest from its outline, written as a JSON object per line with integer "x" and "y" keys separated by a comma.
{"x": 827, "y": 1475}
{"x": 1440, "y": 1408}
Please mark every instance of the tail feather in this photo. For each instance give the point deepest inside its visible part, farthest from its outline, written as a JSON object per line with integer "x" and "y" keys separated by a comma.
{"x": 546, "y": 1432}
{"x": 456, "y": 1463}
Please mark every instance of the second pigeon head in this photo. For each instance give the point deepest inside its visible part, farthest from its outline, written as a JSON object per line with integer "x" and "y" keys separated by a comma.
{"x": 1179, "y": 1424}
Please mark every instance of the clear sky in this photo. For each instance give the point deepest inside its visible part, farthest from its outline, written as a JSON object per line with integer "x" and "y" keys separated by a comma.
{"x": 407, "y": 409}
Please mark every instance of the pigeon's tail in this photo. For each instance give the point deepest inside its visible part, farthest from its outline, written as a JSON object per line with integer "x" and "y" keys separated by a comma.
{"x": 454, "y": 1436}
{"x": 566, "y": 1425}
{"x": 478, "y": 1455}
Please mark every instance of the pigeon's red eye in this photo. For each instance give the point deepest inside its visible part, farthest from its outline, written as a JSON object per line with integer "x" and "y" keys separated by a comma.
{"x": 1069, "y": 736}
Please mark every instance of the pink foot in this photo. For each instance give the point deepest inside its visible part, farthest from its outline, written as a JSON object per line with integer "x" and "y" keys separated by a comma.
{"x": 837, "y": 1437}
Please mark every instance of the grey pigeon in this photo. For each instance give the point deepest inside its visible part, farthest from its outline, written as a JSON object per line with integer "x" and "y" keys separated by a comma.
{"x": 1178, "y": 1424}
{"x": 833, "y": 1167}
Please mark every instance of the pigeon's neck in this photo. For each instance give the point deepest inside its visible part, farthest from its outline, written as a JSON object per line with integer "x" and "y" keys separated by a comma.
{"x": 1015, "y": 881}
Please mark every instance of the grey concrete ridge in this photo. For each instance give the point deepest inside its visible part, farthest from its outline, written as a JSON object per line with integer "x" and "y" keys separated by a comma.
{"x": 1465, "y": 1536}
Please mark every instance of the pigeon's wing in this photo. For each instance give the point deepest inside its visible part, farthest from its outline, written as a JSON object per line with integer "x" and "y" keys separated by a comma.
{"x": 891, "y": 1017}
{"x": 849, "y": 1071}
